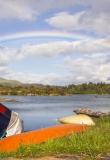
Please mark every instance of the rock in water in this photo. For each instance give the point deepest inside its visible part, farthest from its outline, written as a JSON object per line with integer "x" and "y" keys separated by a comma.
{"x": 78, "y": 119}
{"x": 88, "y": 112}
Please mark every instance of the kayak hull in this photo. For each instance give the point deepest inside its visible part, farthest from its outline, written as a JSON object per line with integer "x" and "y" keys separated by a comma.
{"x": 38, "y": 136}
{"x": 79, "y": 119}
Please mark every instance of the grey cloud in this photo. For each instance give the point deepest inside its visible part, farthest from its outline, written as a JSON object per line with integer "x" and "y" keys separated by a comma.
{"x": 30, "y": 9}
{"x": 87, "y": 69}
{"x": 2, "y": 47}
{"x": 100, "y": 5}
{"x": 21, "y": 9}
{"x": 108, "y": 79}
{"x": 85, "y": 20}
{"x": 95, "y": 18}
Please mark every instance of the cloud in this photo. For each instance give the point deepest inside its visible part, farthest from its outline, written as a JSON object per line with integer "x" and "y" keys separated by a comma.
{"x": 84, "y": 20}
{"x": 65, "y": 20}
{"x": 100, "y": 5}
{"x": 14, "y": 9}
{"x": 80, "y": 70}
{"x": 87, "y": 61}
{"x": 60, "y": 48}
{"x": 88, "y": 70}
{"x": 46, "y": 79}
{"x": 51, "y": 49}
{"x": 93, "y": 15}
{"x": 30, "y": 9}
{"x": 6, "y": 55}
{"x": 4, "y": 70}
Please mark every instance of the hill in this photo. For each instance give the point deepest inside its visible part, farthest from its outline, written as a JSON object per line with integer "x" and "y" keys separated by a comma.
{"x": 12, "y": 83}
{"x": 15, "y": 83}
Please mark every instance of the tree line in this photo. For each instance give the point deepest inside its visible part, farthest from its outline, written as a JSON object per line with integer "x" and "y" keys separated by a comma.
{"x": 85, "y": 88}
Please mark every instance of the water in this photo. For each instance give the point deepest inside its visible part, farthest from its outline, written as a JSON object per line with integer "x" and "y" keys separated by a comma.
{"x": 43, "y": 111}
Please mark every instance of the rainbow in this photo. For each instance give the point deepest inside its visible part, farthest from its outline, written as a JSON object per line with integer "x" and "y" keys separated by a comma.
{"x": 53, "y": 34}
{"x": 43, "y": 34}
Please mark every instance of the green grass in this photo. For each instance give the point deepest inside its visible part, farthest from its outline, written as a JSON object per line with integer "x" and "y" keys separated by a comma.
{"x": 90, "y": 144}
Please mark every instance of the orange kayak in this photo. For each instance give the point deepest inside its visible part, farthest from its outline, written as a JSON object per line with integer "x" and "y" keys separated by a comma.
{"x": 38, "y": 136}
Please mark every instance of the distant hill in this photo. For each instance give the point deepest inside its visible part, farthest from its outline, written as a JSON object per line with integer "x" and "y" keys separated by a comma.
{"x": 15, "y": 83}
{"x": 6, "y": 82}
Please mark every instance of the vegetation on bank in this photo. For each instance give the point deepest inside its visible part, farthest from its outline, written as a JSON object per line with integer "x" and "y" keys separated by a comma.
{"x": 34, "y": 89}
{"x": 90, "y": 144}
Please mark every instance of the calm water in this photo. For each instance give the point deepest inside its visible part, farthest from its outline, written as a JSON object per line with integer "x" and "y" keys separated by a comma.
{"x": 43, "y": 111}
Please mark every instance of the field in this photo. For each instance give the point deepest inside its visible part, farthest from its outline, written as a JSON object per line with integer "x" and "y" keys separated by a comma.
{"x": 90, "y": 144}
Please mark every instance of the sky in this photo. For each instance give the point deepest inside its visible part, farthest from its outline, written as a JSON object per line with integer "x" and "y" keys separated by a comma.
{"x": 55, "y": 42}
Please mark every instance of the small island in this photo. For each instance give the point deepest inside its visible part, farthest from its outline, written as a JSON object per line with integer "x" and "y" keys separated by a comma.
{"x": 8, "y": 100}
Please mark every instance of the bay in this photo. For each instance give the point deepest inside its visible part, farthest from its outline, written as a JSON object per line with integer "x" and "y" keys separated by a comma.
{"x": 43, "y": 111}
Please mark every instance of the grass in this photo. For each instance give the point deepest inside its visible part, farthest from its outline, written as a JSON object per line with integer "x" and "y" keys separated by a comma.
{"x": 91, "y": 144}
